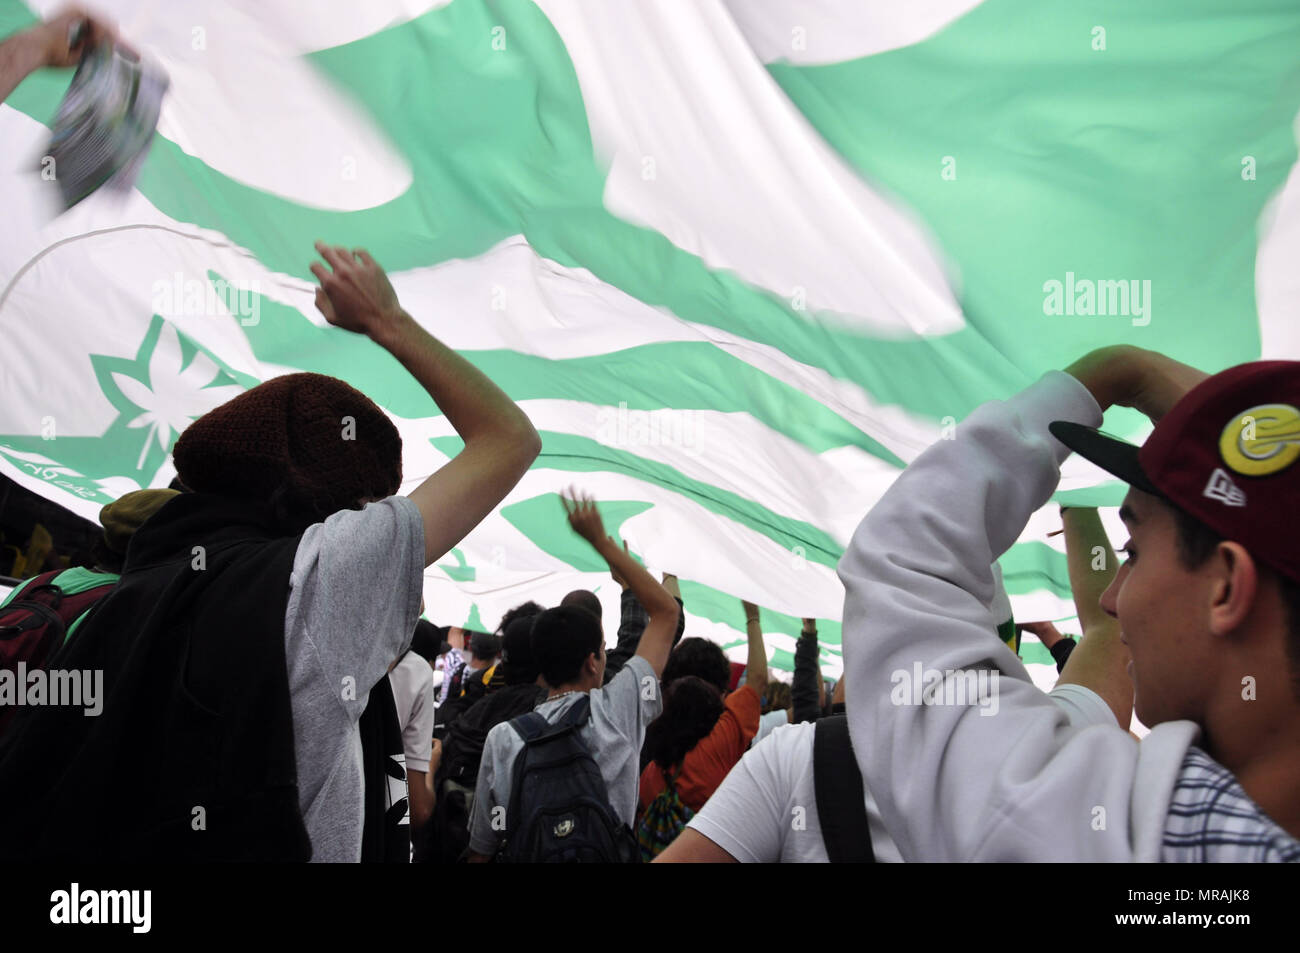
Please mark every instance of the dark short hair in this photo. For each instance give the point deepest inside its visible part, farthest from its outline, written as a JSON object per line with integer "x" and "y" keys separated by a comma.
{"x": 484, "y": 645}
{"x": 583, "y": 599}
{"x": 561, "y": 641}
{"x": 701, "y": 658}
{"x": 517, "y": 661}
{"x": 522, "y": 611}
{"x": 1196, "y": 543}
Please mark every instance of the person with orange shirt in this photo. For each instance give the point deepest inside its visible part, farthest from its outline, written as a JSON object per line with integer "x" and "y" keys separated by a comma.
{"x": 702, "y": 732}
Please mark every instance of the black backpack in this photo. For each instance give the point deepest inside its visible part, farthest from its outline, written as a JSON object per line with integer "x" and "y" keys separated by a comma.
{"x": 559, "y": 806}
{"x": 446, "y": 836}
{"x": 841, "y": 799}
{"x": 444, "y": 839}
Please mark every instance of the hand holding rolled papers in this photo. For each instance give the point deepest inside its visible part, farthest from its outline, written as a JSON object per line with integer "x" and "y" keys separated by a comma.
{"x": 107, "y": 119}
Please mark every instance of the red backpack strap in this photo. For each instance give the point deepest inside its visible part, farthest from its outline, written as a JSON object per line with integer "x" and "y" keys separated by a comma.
{"x": 39, "y": 590}
{"x": 29, "y": 586}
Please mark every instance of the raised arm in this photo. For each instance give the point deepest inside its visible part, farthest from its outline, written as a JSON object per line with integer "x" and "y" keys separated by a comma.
{"x": 500, "y": 442}
{"x": 1059, "y": 645}
{"x": 1127, "y": 376}
{"x": 806, "y": 685}
{"x": 657, "y": 639}
{"x": 949, "y": 776}
{"x": 59, "y": 41}
{"x": 632, "y": 622}
{"x": 675, "y": 590}
{"x": 1100, "y": 661}
{"x": 756, "y": 661}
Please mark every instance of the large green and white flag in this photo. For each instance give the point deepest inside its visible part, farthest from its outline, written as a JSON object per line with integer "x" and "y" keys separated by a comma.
{"x": 738, "y": 260}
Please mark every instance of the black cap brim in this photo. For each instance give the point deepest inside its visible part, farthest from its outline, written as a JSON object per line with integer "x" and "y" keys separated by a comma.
{"x": 1115, "y": 456}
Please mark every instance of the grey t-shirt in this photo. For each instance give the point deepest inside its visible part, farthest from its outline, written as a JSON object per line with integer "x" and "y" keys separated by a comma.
{"x": 353, "y": 601}
{"x": 613, "y": 734}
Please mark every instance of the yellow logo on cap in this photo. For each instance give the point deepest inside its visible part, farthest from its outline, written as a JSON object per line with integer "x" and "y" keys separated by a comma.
{"x": 1263, "y": 440}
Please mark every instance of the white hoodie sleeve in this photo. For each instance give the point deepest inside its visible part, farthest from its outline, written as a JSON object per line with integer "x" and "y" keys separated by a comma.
{"x": 1008, "y": 778}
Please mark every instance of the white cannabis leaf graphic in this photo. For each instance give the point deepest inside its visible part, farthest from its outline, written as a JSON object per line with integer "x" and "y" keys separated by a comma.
{"x": 173, "y": 397}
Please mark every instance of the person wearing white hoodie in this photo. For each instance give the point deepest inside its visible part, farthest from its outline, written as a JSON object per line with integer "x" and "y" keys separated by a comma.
{"x": 1213, "y": 628}
{"x": 768, "y": 810}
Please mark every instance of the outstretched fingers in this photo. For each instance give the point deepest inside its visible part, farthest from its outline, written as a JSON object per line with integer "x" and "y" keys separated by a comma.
{"x": 338, "y": 258}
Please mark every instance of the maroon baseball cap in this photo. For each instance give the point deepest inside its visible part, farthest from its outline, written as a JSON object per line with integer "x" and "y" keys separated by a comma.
{"x": 1227, "y": 454}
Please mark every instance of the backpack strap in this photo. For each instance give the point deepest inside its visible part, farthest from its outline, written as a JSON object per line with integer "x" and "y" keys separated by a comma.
{"x": 532, "y": 726}
{"x": 578, "y": 712}
{"x": 529, "y": 726}
{"x": 41, "y": 613}
{"x": 36, "y": 582}
{"x": 44, "y": 581}
{"x": 841, "y": 806}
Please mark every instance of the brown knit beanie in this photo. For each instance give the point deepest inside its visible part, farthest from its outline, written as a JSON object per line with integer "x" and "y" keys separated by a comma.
{"x": 307, "y": 444}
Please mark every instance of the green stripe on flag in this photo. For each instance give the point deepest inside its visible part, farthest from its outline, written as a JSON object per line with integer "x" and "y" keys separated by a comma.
{"x": 562, "y": 451}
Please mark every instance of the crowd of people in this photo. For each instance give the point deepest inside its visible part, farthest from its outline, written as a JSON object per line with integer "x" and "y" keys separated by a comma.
{"x": 270, "y": 688}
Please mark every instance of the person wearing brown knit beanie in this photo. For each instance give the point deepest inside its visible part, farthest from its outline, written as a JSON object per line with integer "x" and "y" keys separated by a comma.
{"x": 257, "y": 612}
{"x": 308, "y": 444}
{"x": 357, "y": 576}
{"x": 316, "y": 449}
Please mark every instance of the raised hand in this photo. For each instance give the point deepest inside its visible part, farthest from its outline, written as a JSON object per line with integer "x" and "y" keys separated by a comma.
{"x": 1046, "y": 633}
{"x": 1160, "y": 382}
{"x": 1133, "y": 377}
{"x": 354, "y": 292}
{"x": 68, "y": 34}
{"x": 59, "y": 41}
{"x": 584, "y": 517}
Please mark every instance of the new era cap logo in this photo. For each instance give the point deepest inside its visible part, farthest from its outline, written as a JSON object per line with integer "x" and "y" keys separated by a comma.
{"x": 1222, "y": 488}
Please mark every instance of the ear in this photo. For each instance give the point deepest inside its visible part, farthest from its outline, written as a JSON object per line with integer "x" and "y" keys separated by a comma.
{"x": 1236, "y": 586}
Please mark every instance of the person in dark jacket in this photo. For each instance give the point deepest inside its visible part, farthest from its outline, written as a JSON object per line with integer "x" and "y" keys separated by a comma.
{"x": 255, "y": 614}
{"x": 463, "y": 747}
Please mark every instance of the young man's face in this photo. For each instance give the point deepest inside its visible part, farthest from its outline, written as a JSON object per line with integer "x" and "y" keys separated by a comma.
{"x": 1161, "y": 611}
